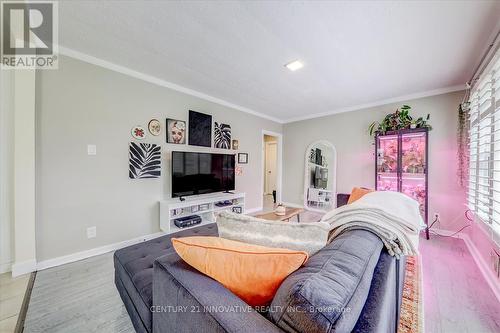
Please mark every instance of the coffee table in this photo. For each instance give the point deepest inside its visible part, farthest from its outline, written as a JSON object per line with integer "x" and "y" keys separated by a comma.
{"x": 289, "y": 213}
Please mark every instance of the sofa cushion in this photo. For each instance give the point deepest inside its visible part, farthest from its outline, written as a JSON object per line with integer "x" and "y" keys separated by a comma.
{"x": 308, "y": 237}
{"x": 210, "y": 307}
{"x": 329, "y": 292}
{"x": 252, "y": 272}
{"x": 134, "y": 268}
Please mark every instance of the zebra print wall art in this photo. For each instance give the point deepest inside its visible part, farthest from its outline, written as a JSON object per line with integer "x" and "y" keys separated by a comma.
{"x": 144, "y": 160}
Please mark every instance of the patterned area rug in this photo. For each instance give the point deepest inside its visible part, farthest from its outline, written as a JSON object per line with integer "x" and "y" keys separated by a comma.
{"x": 411, "y": 320}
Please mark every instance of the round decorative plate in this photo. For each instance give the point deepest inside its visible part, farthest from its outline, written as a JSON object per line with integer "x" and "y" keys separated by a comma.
{"x": 154, "y": 127}
{"x": 138, "y": 132}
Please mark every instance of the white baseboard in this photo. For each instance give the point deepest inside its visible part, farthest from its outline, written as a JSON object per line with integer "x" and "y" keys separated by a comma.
{"x": 93, "y": 252}
{"x": 20, "y": 268}
{"x": 5, "y": 267}
{"x": 483, "y": 266}
{"x": 294, "y": 205}
{"x": 444, "y": 232}
{"x": 487, "y": 272}
{"x": 253, "y": 210}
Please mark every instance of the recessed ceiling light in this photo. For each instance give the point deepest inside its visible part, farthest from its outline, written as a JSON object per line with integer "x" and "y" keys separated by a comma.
{"x": 294, "y": 65}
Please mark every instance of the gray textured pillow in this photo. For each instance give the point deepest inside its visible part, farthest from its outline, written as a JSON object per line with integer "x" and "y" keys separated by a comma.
{"x": 308, "y": 237}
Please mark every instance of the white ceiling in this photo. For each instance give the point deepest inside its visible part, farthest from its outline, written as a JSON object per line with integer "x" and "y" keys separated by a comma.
{"x": 355, "y": 53}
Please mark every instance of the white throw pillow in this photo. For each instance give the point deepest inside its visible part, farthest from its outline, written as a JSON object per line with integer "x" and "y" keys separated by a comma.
{"x": 308, "y": 237}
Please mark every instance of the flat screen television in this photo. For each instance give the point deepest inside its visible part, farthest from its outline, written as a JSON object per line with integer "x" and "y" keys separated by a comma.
{"x": 200, "y": 173}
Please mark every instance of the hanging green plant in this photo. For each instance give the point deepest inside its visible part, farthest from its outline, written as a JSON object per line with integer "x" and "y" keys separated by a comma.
{"x": 401, "y": 119}
{"x": 462, "y": 143}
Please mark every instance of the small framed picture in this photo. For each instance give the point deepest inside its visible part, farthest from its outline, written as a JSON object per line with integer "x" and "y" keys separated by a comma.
{"x": 237, "y": 210}
{"x": 243, "y": 158}
{"x": 236, "y": 144}
{"x": 154, "y": 127}
{"x": 176, "y": 131}
{"x": 138, "y": 133}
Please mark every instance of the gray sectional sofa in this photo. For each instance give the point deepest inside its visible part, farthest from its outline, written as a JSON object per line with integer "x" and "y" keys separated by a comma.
{"x": 351, "y": 285}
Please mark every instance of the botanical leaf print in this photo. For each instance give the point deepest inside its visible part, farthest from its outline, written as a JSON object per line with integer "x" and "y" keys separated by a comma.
{"x": 144, "y": 160}
{"x": 222, "y": 136}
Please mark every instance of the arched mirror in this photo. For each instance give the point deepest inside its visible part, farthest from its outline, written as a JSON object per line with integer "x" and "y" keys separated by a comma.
{"x": 320, "y": 185}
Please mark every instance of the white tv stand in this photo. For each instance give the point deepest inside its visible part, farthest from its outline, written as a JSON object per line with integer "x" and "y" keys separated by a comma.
{"x": 203, "y": 205}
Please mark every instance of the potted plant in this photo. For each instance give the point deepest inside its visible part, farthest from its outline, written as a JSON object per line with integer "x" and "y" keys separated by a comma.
{"x": 401, "y": 119}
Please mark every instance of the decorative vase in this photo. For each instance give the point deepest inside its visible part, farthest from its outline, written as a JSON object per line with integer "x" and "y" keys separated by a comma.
{"x": 280, "y": 210}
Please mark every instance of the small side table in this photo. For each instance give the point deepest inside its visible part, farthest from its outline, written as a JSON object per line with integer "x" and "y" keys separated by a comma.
{"x": 289, "y": 213}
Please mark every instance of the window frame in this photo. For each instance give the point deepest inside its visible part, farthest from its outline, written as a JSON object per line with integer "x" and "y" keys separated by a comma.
{"x": 483, "y": 194}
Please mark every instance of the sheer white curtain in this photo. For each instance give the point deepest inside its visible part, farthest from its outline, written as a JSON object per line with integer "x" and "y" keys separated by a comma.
{"x": 484, "y": 143}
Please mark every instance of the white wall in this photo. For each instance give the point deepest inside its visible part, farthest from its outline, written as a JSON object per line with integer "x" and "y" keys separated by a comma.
{"x": 6, "y": 168}
{"x": 82, "y": 104}
{"x": 355, "y": 152}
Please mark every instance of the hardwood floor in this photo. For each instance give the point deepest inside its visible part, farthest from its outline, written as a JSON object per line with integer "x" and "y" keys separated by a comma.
{"x": 12, "y": 292}
{"x": 79, "y": 297}
{"x": 457, "y": 298}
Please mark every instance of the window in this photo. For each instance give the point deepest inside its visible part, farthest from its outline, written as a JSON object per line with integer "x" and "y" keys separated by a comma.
{"x": 483, "y": 195}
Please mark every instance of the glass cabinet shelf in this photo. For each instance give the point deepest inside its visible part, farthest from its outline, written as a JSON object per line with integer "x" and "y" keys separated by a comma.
{"x": 401, "y": 165}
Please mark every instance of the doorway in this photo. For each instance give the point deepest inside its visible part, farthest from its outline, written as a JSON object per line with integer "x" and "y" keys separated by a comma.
{"x": 270, "y": 171}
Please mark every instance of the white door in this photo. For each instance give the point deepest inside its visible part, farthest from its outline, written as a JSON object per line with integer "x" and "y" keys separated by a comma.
{"x": 270, "y": 167}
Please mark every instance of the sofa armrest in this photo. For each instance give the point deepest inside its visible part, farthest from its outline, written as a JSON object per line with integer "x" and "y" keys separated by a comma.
{"x": 185, "y": 300}
{"x": 383, "y": 306}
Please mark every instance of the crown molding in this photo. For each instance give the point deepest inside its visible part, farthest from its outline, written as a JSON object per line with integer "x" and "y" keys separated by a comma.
{"x": 160, "y": 82}
{"x": 163, "y": 83}
{"x": 397, "y": 99}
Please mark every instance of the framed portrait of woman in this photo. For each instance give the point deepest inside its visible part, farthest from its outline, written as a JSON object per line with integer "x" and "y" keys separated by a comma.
{"x": 176, "y": 131}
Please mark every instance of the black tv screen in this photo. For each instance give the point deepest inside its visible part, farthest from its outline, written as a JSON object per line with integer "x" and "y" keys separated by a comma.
{"x": 201, "y": 173}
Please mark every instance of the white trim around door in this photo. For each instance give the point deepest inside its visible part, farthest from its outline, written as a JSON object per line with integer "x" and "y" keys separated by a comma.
{"x": 279, "y": 165}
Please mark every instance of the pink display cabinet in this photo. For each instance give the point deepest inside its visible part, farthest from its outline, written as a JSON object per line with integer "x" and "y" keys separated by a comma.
{"x": 402, "y": 164}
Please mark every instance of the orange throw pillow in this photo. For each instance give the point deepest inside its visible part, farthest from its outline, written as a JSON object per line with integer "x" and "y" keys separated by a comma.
{"x": 252, "y": 272}
{"x": 357, "y": 193}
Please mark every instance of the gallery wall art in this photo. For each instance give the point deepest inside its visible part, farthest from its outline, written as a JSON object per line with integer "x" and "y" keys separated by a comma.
{"x": 236, "y": 144}
{"x": 154, "y": 127}
{"x": 176, "y": 131}
{"x": 243, "y": 158}
{"x": 222, "y": 136}
{"x": 200, "y": 129}
{"x": 144, "y": 160}
{"x": 138, "y": 132}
